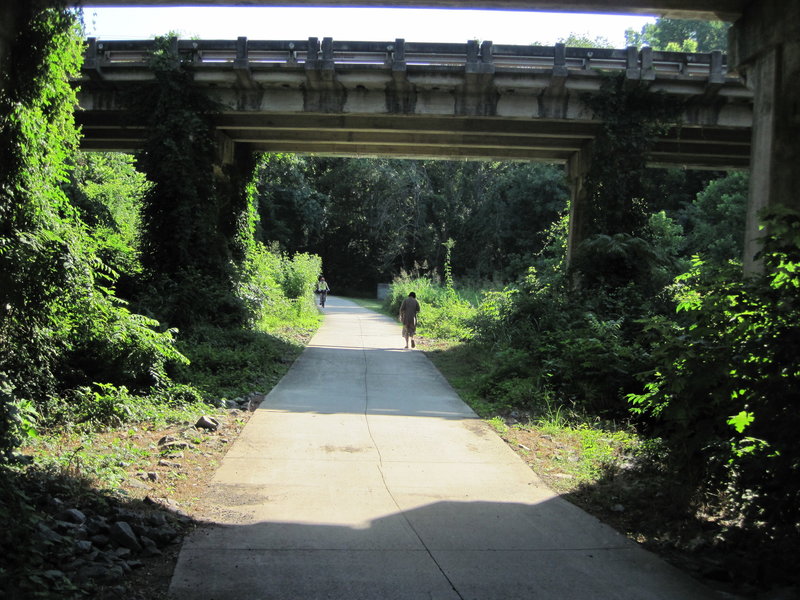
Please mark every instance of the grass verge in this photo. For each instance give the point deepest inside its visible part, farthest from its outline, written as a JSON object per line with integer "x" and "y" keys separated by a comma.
{"x": 370, "y": 303}
{"x": 144, "y": 461}
{"x": 564, "y": 449}
{"x": 597, "y": 467}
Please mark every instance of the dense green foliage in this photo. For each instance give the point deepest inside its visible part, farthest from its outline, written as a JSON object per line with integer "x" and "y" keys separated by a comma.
{"x": 83, "y": 239}
{"x": 195, "y": 218}
{"x": 715, "y": 221}
{"x": 724, "y": 388}
{"x": 585, "y": 345}
{"x": 370, "y": 218}
{"x": 681, "y": 35}
{"x": 62, "y": 326}
{"x": 277, "y": 291}
{"x": 107, "y": 191}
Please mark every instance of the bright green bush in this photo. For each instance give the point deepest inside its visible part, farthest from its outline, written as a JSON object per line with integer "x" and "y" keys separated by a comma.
{"x": 716, "y": 219}
{"x": 443, "y": 313}
{"x": 581, "y": 350}
{"x": 278, "y": 290}
{"x": 300, "y": 276}
{"x": 61, "y": 324}
{"x": 724, "y": 391}
{"x": 107, "y": 190}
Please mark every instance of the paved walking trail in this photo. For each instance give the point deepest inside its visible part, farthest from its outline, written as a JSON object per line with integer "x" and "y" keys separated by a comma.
{"x": 363, "y": 476}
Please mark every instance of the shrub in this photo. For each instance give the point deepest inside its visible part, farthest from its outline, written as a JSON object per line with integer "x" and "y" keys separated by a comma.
{"x": 444, "y": 313}
{"x": 278, "y": 290}
{"x": 577, "y": 348}
{"x": 725, "y": 390}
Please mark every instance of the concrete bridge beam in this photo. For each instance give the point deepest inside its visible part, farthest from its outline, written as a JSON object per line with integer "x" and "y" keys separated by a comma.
{"x": 322, "y": 92}
{"x": 765, "y": 46}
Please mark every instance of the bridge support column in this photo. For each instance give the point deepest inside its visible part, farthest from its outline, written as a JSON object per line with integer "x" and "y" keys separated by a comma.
{"x": 233, "y": 169}
{"x": 226, "y": 152}
{"x": 765, "y": 48}
{"x": 577, "y": 168}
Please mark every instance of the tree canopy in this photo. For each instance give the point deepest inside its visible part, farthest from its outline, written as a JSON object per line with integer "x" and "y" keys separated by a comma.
{"x": 681, "y": 35}
{"x": 370, "y": 218}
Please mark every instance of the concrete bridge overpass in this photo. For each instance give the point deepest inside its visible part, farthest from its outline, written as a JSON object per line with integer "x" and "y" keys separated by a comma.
{"x": 764, "y": 48}
{"x": 417, "y": 100}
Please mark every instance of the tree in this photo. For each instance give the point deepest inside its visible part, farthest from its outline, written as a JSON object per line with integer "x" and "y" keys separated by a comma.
{"x": 61, "y": 325}
{"x": 369, "y": 215}
{"x": 715, "y": 221}
{"x": 371, "y": 218}
{"x": 43, "y": 264}
{"x": 681, "y": 35}
{"x": 289, "y": 207}
{"x": 508, "y": 224}
{"x": 107, "y": 190}
{"x": 582, "y": 40}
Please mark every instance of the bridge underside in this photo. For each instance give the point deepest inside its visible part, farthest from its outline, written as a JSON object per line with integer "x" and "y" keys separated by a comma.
{"x": 725, "y": 10}
{"x": 435, "y": 137}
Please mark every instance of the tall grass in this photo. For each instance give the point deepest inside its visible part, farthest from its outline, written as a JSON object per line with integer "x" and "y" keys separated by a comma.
{"x": 278, "y": 292}
{"x": 445, "y": 312}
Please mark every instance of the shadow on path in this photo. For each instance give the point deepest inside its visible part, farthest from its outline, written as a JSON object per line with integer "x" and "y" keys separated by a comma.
{"x": 443, "y": 550}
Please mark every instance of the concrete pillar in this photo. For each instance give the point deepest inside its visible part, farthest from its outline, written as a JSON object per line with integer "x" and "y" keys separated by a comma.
{"x": 765, "y": 48}
{"x": 577, "y": 169}
{"x": 226, "y": 150}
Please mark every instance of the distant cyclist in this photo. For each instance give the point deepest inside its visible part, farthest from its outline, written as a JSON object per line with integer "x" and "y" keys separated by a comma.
{"x": 322, "y": 290}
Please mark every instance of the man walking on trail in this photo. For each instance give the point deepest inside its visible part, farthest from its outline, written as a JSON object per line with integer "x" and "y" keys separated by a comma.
{"x": 408, "y": 317}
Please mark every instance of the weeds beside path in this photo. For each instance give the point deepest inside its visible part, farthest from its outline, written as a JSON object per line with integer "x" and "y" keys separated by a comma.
{"x": 594, "y": 465}
{"x": 149, "y": 472}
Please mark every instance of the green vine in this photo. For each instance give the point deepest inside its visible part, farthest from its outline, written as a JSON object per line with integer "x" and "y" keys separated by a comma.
{"x": 61, "y": 324}
{"x": 633, "y": 117}
{"x": 43, "y": 266}
{"x": 613, "y": 252}
{"x": 196, "y": 216}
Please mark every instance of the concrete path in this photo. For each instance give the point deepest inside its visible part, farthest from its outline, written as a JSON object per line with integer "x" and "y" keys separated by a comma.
{"x": 363, "y": 476}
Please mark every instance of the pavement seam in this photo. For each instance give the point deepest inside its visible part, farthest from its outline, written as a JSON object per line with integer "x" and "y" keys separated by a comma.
{"x": 383, "y": 475}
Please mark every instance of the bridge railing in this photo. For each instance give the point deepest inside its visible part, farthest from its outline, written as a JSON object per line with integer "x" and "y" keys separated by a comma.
{"x": 645, "y": 63}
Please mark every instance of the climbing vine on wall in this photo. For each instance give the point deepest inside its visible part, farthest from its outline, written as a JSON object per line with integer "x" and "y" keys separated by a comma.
{"x": 195, "y": 217}
{"x": 61, "y": 326}
{"x": 41, "y": 259}
{"x": 614, "y": 252}
{"x": 633, "y": 117}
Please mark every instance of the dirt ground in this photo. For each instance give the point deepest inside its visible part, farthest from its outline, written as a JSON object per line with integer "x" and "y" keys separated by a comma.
{"x": 176, "y": 480}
